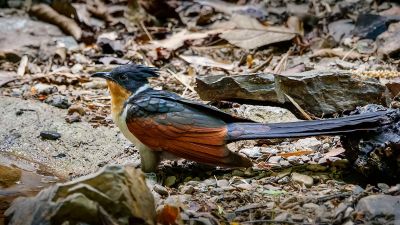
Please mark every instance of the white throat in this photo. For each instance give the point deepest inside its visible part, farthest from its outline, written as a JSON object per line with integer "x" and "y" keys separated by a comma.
{"x": 141, "y": 89}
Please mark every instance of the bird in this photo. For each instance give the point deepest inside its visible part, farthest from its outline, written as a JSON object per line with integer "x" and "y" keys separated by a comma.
{"x": 162, "y": 124}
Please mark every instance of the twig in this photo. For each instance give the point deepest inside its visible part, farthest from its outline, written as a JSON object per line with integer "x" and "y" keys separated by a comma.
{"x": 180, "y": 80}
{"x": 329, "y": 197}
{"x": 298, "y": 107}
{"x": 22, "y": 66}
{"x": 282, "y": 64}
{"x": 262, "y": 65}
{"x": 348, "y": 53}
{"x": 145, "y": 30}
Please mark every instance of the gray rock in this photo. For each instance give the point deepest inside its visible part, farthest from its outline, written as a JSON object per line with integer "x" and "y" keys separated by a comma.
{"x": 328, "y": 92}
{"x": 274, "y": 159}
{"x": 253, "y": 152}
{"x": 284, "y": 163}
{"x": 302, "y": 179}
{"x": 85, "y": 146}
{"x": 114, "y": 195}
{"x": 160, "y": 190}
{"x": 59, "y": 101}
{"x": 77, "y": 68}
{"x": 375, "y": 207}
{"x": 222, "y": 183}
{"x": 308, "y": 143}
{"x": 30, "y": 36}
{"x": 253, "y": 87}
{"x": 50, "y": 135}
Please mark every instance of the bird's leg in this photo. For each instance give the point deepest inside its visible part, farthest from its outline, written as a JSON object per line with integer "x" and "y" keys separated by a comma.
{"x": 149, "y": 159}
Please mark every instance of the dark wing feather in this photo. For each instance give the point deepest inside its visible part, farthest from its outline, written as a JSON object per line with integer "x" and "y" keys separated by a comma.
{"x": 215, "y": 112}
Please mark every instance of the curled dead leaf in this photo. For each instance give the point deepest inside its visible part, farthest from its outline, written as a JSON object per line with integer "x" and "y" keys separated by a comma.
{"x": 48, "y": 14}
{"x": 336, "y": 52}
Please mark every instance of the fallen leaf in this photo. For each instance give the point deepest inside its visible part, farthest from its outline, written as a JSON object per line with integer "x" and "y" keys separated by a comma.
{"x": 336, "y": 52}
{"x": 297, "y": 153}
{"x": 6, "y": 77}
{"x": 334, "y": 152}
{"x": 251, "y": 34}
{"x": 169, "y": 215}
{"x": 48, "y": 14}
{"x": 203, "y": 61}
{"x": 177, "y": 40}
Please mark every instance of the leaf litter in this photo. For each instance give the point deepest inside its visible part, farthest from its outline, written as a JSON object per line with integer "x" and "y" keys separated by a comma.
{"x": 217, "y": 38}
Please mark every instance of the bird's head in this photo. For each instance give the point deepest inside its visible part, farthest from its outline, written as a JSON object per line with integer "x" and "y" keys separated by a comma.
{"x": 131, "y": 77}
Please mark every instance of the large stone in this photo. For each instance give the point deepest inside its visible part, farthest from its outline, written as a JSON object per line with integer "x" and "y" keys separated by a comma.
{"x": 23, "y": 36}
{"x": 327, "y": 92}
{"x": 259, "y": 87}
{"x": 380, "y": 209}
{"x": 115, "y": 195}
{"x": 84, "y": 147}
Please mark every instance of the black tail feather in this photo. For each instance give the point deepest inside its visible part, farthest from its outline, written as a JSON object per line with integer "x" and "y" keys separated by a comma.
{"x": 337, "y": 126}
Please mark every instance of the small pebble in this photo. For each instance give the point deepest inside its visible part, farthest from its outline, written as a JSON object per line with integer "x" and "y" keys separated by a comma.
{"x": 76, "y": 108}
{"x": 303, "y": 179}
{"x": 50, "y": 135}
{"x": 274, "y": 159}
{"x": 160, "y": 190}
{"x": 222, "y": 183}
{"x": 60, "y": 155}
{"x": 58, "y": 101}
{"x": 252, "y": 152}
{"x": 73, "y": 118}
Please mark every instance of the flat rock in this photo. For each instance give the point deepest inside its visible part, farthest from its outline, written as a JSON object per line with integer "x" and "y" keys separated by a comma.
{"x": 379, "y": 208}
{"x": 327, "y": 92}
{"x": 116, "y": 194}
{"x": 259, "y": 87}
{"x": 21, "y": 35}
{"x": 84, "y": 146}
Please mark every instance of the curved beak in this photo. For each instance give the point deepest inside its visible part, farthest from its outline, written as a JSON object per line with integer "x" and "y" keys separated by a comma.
{"x": 105, "y": 75}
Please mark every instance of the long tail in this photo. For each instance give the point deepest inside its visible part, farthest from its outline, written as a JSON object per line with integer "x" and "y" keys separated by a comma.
{"x": 338, "y": 126}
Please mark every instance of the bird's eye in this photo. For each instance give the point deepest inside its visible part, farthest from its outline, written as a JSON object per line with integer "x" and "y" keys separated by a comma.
{"x": 123, "y": 77}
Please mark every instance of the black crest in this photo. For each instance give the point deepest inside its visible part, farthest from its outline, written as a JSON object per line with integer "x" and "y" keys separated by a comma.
{"x": 135, "y": 72}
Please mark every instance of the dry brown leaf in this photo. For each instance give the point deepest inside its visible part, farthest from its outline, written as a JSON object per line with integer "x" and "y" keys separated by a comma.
{"x": 169, "y": 215}
{"x": 336, "y": 52}
{"x": 297, "y": 153}
{"x": 177, "y": 40}
{"x": 203, "y": 61}
{"x": 334, "y": 152}
{"x": 6, "y": 77}
{"x": 48, "y": 14}
{"x": 249, "y": 33}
